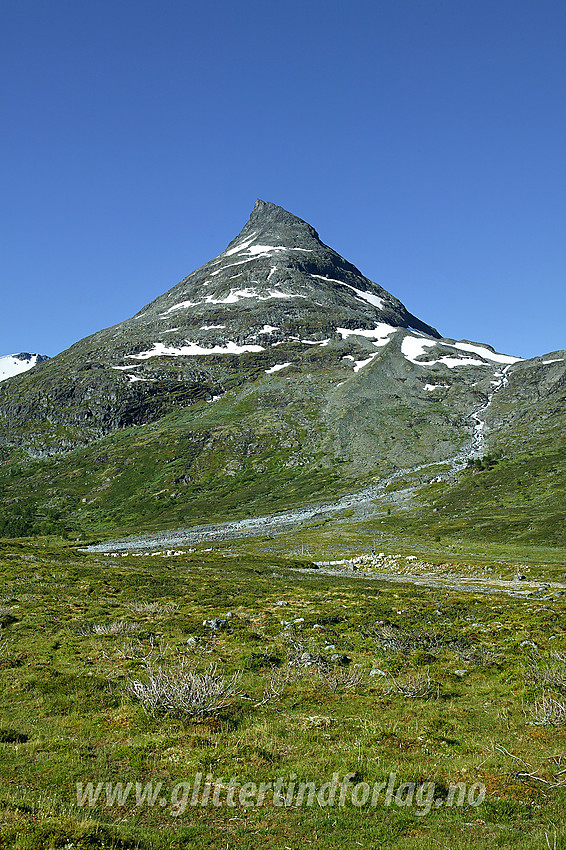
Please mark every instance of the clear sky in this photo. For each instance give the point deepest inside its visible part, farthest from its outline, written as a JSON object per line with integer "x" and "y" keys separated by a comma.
{"x": 425, "y": 140}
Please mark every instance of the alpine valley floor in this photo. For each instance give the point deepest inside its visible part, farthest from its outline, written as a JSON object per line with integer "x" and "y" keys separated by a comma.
{"x": 333, "y": 674}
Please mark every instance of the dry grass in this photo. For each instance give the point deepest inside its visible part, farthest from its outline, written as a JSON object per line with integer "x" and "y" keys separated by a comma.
{"x": 153, "y": 609}
{"x": 413, "y": 686}
{"x": 116, "y": 627}
{"x": 179, "y": 690}
{"x": 549, "y": 710}
{"x": 551, "y": 672}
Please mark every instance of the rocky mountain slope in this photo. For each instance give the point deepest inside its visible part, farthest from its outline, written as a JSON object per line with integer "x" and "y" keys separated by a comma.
{"x": 275, "y": 290}
{"x": 273, "y": 375}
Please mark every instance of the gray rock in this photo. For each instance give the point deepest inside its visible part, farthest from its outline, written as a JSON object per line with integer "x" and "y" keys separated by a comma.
{"x": 216, "y": 623}
{"x": 339, "y": 658}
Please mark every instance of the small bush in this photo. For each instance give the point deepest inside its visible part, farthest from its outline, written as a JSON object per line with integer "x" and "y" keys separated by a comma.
{"x": 116, "y": 627}
{"x": 150, "y": 652}
{"x": 7, "y": 618}
{"x": 338, "y": 679}
{"x": 11, "y": 736}
{"x": 153, "y": 609}
{"x": 414, "y": 686}
{"x": 181, "y": 691}
{"x": 279, "y": 679}
{"x": 549, "y": 710}
{"x": 27, "y": 520}
{"x": 268, "y": 658}
{"x": 480, "y": 464}
{"x": 550, "y": 672}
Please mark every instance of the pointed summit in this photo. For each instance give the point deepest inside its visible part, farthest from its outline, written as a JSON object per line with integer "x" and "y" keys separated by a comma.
{"x": 273, "y": 226}
{"x": 276, "y": 293}
{"x": 266, "y": 214}
{"x": 271, "y": 223}
{"x": 278, "y": 269}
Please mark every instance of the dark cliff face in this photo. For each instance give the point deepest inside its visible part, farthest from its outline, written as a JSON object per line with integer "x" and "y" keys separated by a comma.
{"x": 275, "y": 290}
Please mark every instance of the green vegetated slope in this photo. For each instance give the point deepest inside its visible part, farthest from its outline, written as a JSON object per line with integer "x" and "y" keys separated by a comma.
{"x": 333, "y": 675}
{"x": 518, "y": 493}
{"x": 308, "y": 435}
{"x": 274, "y": 443}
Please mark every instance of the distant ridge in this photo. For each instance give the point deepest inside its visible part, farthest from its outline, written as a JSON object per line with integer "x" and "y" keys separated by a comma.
{"x": 15, "y": 364}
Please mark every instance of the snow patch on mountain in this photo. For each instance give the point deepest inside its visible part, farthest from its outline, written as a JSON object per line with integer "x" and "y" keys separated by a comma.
{"x": 241, "y": 246}
{"x": 236, "y": 295}
{"x": 245, "y": 246}
{"x": 192, "y": 349}
{"x": 15, "y": 364}
{"x": 265, "y": 250}
{"x": 378, "y": 335}
{"x": 359, "y": 364}
{"x": 233, "y": 297}
{"x": 486, "y": 353}
{"x": 413, "y": 348}
{"x": 375, "y": 300}
{"x": 276, "y": 368}
{"x": 182, "y": 306}
{"x": 133, "y": 378}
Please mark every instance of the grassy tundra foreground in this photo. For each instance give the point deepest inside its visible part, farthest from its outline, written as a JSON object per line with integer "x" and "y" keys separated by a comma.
{"x": 234, "y": 664}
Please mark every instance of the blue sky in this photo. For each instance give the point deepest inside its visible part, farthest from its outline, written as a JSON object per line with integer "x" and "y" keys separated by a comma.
{"x": 425, "y": 141}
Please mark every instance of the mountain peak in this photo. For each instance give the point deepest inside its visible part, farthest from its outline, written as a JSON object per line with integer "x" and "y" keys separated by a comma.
{"x": 271, "y": 224}
{"x": 276, "y": 273}
{"x": 264, "y": 211}
{"x": 276, "y": 293}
